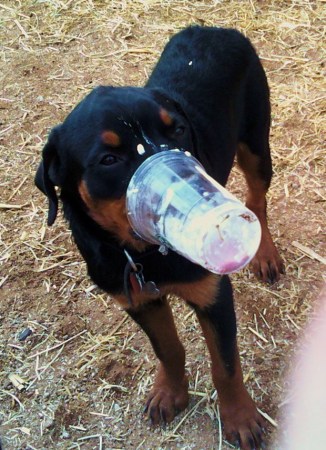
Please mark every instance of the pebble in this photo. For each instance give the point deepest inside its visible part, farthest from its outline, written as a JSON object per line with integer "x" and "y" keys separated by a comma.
{"x": 24, "y": 334}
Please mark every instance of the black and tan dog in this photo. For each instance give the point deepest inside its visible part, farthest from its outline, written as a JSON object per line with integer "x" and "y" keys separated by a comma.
{"x": 208, "y": 95}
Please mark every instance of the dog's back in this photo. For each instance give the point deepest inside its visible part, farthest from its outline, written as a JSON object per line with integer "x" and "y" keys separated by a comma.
{"x": 217, "y": 78}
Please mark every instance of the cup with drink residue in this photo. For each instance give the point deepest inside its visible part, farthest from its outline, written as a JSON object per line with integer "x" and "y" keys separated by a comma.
{"x": 171, "y": 200}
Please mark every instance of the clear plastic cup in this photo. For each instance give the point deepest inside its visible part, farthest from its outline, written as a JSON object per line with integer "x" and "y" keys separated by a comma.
{"x": 171, "y": 200}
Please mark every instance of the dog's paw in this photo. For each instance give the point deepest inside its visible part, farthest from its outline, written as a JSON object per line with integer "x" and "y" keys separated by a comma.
{"x": 267, "y": 264}
{"x": 244, "y": 426}
{"x": 166, "y": 401}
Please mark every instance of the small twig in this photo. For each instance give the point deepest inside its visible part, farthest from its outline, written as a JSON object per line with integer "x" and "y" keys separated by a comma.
{"x": 258, "y": 335}
{"x": 17, "y": 381}
{"x": 270, "y": 291}
{"x": 308, "y": 252}
{"x": 21, "y": 406}
{"x": 39, "y": 373}
{"x": 10, "y": 206}
{"x": 84, "y": 438}
{"x": 17, "y": 189}
{"x": 185, "y": 417}
{"x": 3, "y": 280}
{"x": 268, "y": 418}
{"x": 107, "y": 416}
{"x": 21, "y": 28}
{"x": 293, "y": 323}
{"x": 57, "y": 345}
{"x": 44, "y": 269}
{"x": 105, "y": 340}
{"x": 220, "y": 432}
{"x": 6, "y": 129}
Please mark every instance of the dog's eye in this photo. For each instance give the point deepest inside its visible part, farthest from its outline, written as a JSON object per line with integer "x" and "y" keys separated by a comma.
{"x": 108, "y": 160}
{"x": 179, "y": 131}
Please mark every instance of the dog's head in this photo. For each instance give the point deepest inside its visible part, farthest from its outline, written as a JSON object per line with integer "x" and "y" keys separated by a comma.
{"x": 93, "y": 154}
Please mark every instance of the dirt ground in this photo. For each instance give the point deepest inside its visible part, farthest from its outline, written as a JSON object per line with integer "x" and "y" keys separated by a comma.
{"x": 79, "y": 380}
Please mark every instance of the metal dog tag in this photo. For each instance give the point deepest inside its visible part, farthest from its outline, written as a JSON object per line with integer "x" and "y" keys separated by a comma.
{"x": 151, "y": 289}
{"x": 137, "y": 281}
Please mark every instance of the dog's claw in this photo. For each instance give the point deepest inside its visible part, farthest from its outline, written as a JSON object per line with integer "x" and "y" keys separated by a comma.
{"x": 267, "y": 264}
{"x": 165, "y": 402}
{"x": 234, "y": 439}
{"x": 243, "y": 425}
{"x": 152, "y": 417}
{"x": 252, "y": 443}
{"x": 163, "y": 417}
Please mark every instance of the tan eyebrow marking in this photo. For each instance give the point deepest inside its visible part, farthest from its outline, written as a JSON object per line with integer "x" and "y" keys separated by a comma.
{"x": 111, "y": 138}
{"x": 165, "y": 117}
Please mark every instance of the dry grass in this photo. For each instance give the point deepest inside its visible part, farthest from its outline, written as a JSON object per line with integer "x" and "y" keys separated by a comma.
{"x": 79, "y": 380}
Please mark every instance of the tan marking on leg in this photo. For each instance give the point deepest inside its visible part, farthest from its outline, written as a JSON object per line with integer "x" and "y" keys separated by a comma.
{"x": 169, "y": 394}
{"x": 257, "y": 188}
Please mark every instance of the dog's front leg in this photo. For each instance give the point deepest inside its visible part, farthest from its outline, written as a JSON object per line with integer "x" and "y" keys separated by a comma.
{"x": 170, "y": 391}
{"x": 239, "y": 415}
{"x": 257, "y": 168}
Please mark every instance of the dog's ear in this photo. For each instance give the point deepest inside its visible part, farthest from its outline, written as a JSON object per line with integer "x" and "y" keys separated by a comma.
{"x": 48, "y": 174}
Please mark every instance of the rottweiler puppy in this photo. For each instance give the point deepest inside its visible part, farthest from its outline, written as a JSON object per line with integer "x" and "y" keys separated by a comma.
{"x": 207, "y": 95}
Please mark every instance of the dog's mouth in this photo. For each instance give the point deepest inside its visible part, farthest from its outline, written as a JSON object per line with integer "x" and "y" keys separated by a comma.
{"x": 134, "y": 235}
